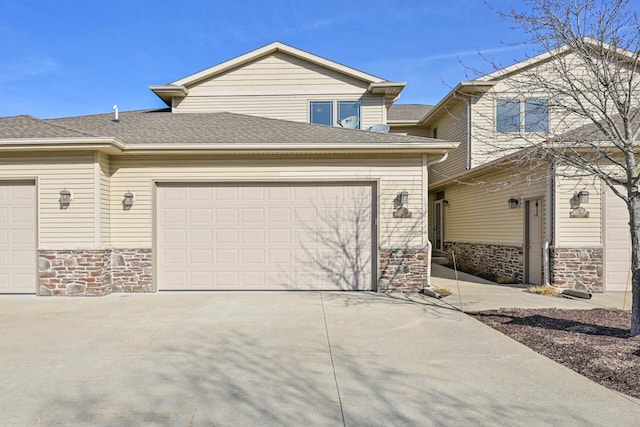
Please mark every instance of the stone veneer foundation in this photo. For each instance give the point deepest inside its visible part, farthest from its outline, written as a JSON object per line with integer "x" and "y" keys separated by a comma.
{"x": 490, "y": 261}
{"x": 94, "y": 272}
{"x": 403, "y": 270}
{"x": 574, "y": 267}
{"x": 102, "y": 272}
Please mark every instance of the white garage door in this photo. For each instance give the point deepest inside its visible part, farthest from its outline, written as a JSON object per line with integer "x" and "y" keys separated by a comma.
{"x": 265, "y": 236}
{"x": 17, "y": 238}
{"x": 617, "y": 243}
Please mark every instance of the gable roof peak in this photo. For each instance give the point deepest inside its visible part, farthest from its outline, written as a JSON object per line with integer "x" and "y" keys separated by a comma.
{"x": 583, "y": 42}
{"x": 180, "y": 87}
{"x": 270, "y": 49}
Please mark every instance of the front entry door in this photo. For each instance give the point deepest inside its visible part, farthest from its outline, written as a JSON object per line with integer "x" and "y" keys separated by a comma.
{"x": 534, "y": 241}
{"x": 438, "y": 226}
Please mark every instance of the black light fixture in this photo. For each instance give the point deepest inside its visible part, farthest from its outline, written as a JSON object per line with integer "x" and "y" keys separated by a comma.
{"x": 128, "y": 199}
{"x": 445, "y": 203}
{"x": 582, "y": 196}
{"x": 403, "y": 196}
{"x": 65, "y": 198}
{"x": 513, "y": 202}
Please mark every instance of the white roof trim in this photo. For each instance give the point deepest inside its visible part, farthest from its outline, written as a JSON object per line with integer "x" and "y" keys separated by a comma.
{"x": 545, "y": 56}
{"x": 431, "y": 147}
{"x": 268, "y": 49}
{"x": 109, "y": 145}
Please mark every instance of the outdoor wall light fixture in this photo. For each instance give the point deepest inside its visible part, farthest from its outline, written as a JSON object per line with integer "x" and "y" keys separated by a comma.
{"x": 513, "y": 202}
{"x": 65, "y": 199}
{"x": 582, "y": 196}
{"x": 403, "y": 196}
{"x": 445, "y": 203}
{"x": 128, "y": 199}
{"x": 400, "y": 205}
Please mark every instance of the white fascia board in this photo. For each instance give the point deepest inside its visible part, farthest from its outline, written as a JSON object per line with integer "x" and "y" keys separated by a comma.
{"x": 266, "y": 50}
{"x": 545, "y": 56}
{"x": 462, "y": 87}
{"x": 168, "y": 92}
{"x": 433, "y": 148}
{"x": 107, "y": 145}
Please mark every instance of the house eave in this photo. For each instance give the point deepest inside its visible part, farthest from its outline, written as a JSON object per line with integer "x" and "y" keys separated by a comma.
{"x": 365, "y": 148}
{"x": 457, "y": 94}
{"x": 167, "y": 92}
{"x": 106, "y": 145}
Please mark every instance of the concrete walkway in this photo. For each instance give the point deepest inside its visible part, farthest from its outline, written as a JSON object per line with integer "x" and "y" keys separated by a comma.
{"x": 479, "y": 294}
{"x": 279, "y": 359}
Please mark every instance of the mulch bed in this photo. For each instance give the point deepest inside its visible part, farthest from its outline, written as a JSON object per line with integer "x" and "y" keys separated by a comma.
{"x": 595, "y": 343}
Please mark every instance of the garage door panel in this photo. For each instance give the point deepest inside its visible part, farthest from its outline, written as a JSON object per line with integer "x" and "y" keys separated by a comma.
{"x": 201, "y": 256}
{"x": 18, "y": 238}
{"x": 275, "y": 237}
{"x": 253, "y": 256}
{"x": 252, "y": 193}
{"x": 226, "y": 237}
{"x": 226, "y": 215}
{"x": 226, "y": 193}
{"x": 617, "y": 243}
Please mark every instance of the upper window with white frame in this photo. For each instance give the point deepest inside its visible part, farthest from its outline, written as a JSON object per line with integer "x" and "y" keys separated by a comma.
{"x": 522, "y": 115}
{"x": 322, "y": 112}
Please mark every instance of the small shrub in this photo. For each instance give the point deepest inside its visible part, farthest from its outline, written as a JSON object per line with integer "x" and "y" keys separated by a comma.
{"x": 442, "y": 291}
{"x": 543, "y": 290}
{"x": 504, "y": 280}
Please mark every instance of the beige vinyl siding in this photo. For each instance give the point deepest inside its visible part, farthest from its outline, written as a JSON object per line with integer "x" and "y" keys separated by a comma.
{"x": 578, "y": 232}
{"x": 133, "y": 228}
{"x": 488, "y": 144}
{"x": 58, "y": 228}
{"x": 479, "y": 213}
{"x": 284, "y": 107}
{"x": 415, "y": 130}
{"x": 279, "y": 86}
{"x": 278, "y": 73}
{"x": 452, "y": 127}
{"x": 105, "y": 205}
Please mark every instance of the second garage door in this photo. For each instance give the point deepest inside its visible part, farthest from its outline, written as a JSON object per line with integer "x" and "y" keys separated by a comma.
{"x": 18, "y": 238}
{"x": 265, "y": 236}
{"x": 617, "y": 243}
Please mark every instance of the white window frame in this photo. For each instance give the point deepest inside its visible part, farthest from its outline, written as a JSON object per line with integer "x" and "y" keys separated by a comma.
{"x": 335, "y": 110}
{"x": 522, "y": 114}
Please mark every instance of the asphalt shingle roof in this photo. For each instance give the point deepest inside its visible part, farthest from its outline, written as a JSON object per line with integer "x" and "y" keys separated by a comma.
{"x": 31, "y": 127}
{"x": 408, "y": 111}
{"x": 164, "y": 127}
{"x": 591, "y": 132}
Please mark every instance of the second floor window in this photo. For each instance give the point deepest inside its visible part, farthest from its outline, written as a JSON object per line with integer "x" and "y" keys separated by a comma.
{"x": 322, "y": 112}
{"x": 528, "y": 115}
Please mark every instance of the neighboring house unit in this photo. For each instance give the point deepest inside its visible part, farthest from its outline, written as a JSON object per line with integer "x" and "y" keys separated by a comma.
{"x": 237, "y": 185}
{"x": 504, "y": 227}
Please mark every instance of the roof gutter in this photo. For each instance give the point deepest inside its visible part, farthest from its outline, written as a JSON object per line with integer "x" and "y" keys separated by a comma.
{"x": 107, "y": 145}
{"x": 406, "y": 148}
{"x": 468, "y": 88}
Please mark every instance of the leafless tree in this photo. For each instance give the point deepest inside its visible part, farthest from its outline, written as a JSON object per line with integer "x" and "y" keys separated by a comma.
{"x": 589, "y": 84}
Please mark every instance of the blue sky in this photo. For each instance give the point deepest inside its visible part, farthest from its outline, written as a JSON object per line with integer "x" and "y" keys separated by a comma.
{"x": 76, "y": 57}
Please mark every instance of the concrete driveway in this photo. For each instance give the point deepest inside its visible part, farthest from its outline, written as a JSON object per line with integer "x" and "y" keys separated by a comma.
{"x": 281, "y": 359}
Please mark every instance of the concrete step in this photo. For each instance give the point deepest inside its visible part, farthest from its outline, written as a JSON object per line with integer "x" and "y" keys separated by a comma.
{"x": 442, "y": 260}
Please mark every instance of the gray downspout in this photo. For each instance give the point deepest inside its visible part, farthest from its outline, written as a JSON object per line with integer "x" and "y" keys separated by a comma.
{"x": 469, "y": 133}
{"x": 548, "y": 242}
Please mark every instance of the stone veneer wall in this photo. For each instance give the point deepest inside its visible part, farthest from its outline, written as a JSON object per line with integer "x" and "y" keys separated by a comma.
{"x": 72, "y": 272}
{"x": 489, "y": 261}
{"x": 131, "y": 270}
{"x": 574, "y": 267}
{"x": 403, "y": 270}
{"x": 94, "y": 272}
